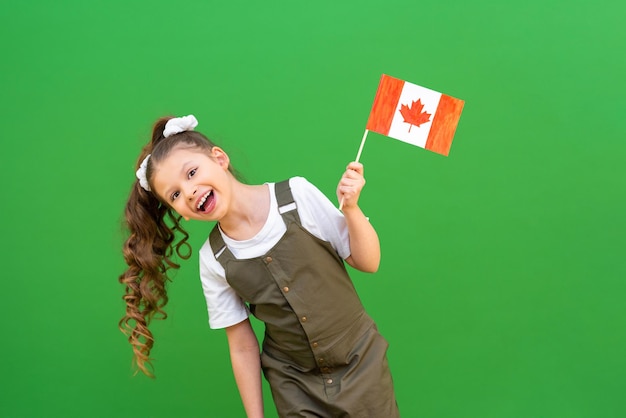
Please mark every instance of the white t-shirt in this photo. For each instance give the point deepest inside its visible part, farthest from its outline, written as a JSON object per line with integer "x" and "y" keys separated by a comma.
{"x": 317, "y": 215}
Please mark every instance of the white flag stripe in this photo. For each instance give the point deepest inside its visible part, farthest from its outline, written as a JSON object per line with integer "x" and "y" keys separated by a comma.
{"x": 400, "y": 129}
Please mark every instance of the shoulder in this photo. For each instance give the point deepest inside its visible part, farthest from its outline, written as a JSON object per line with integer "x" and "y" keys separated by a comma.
{"x": 207, "y": 258}
{"x": 308, "y": 197}
{"x": 208, "y": 262}
{"x": 301, "y": 183}
{"x": 303, "y": 190}
{"x": 206, "y": 248}
{"x": 320, "y": 216}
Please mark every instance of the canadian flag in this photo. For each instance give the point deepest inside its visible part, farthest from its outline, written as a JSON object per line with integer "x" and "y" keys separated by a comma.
{"x": 415, "y": 114}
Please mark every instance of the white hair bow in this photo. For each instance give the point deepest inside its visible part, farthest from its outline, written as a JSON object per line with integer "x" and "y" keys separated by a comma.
{"x": 176, "y": 125}
{"x": 141, "y": 174}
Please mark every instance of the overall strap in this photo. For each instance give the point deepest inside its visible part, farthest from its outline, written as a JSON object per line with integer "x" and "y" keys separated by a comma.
{"x": 286, "y": 204}
{"x": 218, "y": 246}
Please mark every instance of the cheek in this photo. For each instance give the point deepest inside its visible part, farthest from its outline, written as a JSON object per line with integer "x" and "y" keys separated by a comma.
{"x": 180, "y": 205}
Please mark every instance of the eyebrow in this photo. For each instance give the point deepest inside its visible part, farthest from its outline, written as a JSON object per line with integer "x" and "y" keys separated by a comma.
{"x": 184, "y": 169}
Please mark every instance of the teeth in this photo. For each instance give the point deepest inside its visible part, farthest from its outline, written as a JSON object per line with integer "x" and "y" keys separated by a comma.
{"x": 204, "y": 198}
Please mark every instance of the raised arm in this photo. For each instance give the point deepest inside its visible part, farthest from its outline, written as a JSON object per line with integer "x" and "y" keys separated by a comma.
{"x": 246, "y": 362}
{"x": 364, "y": 244}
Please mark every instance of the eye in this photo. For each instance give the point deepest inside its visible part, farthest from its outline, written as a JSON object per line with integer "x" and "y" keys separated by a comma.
{"x": 191, "y": 173}
{"x": 174, "y": 195}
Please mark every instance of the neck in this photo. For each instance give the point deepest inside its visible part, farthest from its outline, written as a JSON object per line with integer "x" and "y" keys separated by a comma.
{"x": 248, "y": 211}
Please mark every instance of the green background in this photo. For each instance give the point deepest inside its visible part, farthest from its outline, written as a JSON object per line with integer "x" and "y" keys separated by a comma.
{"x": 501, "y": 289}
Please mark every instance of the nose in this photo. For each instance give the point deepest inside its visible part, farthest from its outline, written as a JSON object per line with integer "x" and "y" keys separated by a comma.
{"x": 191, "y": 192}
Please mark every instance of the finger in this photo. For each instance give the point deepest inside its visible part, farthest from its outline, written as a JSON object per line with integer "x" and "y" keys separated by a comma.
{"x": 352, "y": 183}
{"x": 355, "y": 166}
{"x": 350, "y": 190}
{"x": 353, "y": 175}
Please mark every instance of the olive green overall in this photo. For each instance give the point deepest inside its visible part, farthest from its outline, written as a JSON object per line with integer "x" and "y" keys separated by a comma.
{"x": 322, "y": 354}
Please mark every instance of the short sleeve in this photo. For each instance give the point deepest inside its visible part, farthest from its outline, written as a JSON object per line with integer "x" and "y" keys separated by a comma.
{"x": 225, "y": 307}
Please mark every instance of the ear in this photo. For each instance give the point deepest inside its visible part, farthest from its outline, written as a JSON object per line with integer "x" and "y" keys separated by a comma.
{"x": 220, "y": 157}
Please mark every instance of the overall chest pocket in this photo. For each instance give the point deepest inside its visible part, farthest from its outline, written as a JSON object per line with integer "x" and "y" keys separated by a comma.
{"x": 251, "y": 280}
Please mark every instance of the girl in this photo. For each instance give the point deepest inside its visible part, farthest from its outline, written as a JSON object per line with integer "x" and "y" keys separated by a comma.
{"x": 277, "y": 251}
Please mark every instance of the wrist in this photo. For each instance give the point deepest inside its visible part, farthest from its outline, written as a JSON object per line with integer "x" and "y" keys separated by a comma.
{"x": 351, "y": 209}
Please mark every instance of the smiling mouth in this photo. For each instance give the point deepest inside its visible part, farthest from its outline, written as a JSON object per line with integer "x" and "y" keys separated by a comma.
{"x": 204, "y": 201}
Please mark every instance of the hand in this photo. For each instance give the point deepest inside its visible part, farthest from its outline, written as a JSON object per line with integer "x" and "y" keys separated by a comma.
{"x": 350, "y": 185}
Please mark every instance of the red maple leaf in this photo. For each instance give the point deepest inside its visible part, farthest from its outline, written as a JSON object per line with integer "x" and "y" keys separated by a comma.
{"x": 413, "y": 115}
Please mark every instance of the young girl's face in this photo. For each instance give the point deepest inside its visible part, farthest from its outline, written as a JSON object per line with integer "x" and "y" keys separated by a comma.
{"x": 194, "y": 184}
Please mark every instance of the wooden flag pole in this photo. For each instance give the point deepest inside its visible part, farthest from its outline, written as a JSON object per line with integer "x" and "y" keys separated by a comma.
{"x": 358, "y": 156}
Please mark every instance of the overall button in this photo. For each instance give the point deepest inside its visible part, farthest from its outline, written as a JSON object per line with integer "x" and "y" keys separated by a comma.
{"x": 268, "y": 259}
{"x": 286, "y": 289}
{"x": 329, "y": 381}
{"x": 303, "y": 319}
{"x": 314, "y": 345}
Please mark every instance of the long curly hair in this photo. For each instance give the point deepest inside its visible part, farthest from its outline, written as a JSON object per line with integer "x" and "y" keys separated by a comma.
{"x": 151, "y": 245}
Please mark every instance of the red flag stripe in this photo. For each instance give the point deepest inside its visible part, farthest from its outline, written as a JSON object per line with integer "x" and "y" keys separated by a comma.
{"x": 444, "y": 124}
{"x": 385, "y": 104}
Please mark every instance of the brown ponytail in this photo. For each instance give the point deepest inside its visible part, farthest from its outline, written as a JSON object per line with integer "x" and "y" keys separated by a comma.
{"x": 148, "y": 251}
{"x": 150, "y": 247}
